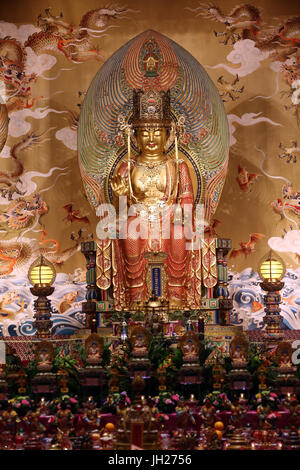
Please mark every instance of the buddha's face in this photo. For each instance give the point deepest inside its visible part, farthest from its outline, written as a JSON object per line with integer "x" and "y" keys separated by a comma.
{"x": 151, "y": 141}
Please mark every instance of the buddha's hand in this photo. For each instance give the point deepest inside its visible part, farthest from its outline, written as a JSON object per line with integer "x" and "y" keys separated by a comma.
{"x": 119, "y": 186}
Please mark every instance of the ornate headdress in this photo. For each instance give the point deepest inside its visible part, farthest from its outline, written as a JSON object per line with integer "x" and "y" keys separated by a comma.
{"x": 151, "y": 108}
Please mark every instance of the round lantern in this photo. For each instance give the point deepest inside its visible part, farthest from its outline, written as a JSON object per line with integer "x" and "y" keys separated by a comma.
{"x": 271, "y": 267}
{"x": 41, "y": 272}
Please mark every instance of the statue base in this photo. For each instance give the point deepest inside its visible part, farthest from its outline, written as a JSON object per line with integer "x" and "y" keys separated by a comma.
{"x": 44, "y": 382}
{"x": 240, "y": 379}
{"x": 140, "y": 366}
{"x": 287, "y": 382}
{"x": 93, "y": 376}
{"x": 190, "y": 374}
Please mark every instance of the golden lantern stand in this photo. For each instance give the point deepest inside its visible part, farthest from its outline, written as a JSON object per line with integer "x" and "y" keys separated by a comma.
{"x": 42, "y": 307}
{"x": 42, "y": 274}
{"x": 272, "y": 270}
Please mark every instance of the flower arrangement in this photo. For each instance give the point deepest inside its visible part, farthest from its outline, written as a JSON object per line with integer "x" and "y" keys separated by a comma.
{"x": 219, "y": 400}
{"x": 162, "y": 417}
{"x": 20, "y": 401}
{"x": 110, "y": 404}
{"x": 21, "y": 404}
{"x": 267, "y": 398}
{"x": 65, "y": 400}
{"x": 166, "y": 402}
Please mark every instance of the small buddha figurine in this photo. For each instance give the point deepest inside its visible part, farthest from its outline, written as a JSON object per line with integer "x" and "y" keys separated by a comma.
{"x": 154, "y": 411}
{"x": 42, "y": 407}
{"x": 183, "y": 415}
{"x": 238, "y": 350}
{"x": 44, "y": 356}
{"x": 122, "y": 413}
{"x": 237, "y": 413}
{"x": 92, "y": 415}
{"x": 94, "y": 352}
{"x": 283, "y": 356}
{"x": 149, "y": 412}
{"x": 189, "y": 352}
{"x": 238, "y": 357}
{"x": 189, "y": 345}
{"x": 64, "y": 418}
{"x": 208, "y": 412}
{"x": 139, "y": 348}
{"x": 32, "y": 419}
{"x": 263, "y": 410}
{"x": 285, "y": 361}
{"x": 139, "y": 340}
{"x": 94, "y": 348}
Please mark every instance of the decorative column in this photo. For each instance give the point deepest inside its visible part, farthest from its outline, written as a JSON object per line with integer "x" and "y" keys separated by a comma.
{"x": 90, "y": 306}
{"x": 221, "y": 290}
{"x": 42, "y": 307}
{"x": 272, "y": 319}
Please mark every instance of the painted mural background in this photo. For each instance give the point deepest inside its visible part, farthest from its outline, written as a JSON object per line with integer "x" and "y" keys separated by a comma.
{"x": 48, "y": 57}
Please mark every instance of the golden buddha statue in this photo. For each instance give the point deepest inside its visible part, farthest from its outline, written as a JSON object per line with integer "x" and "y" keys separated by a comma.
{"x": 154, "y": 94}
{"x": 158, "y": 187}
{"x": 44, "y": 356}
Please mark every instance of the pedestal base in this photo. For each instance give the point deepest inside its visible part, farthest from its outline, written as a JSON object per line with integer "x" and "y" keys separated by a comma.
{"x": 287, "y": 382}
{"x": 93, "y": 376}
{"x": 44, "y": 383}
{"x": 190, "y": 374}
{"x": 141, "y": 366}
{"x": 240, "y": 379}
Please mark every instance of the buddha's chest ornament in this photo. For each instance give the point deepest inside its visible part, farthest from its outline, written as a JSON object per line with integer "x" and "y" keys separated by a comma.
{"x": 149, "y": 180}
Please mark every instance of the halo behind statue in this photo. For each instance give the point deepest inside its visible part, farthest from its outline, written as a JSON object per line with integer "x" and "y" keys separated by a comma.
{"x": 153, "y": 61}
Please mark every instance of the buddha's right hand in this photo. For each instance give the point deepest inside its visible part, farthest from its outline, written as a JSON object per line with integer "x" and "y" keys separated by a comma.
{"x": 119, "y": 186}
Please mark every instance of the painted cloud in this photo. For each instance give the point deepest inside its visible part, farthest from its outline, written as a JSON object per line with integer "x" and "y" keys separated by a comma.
{"x": 289, "y": 243}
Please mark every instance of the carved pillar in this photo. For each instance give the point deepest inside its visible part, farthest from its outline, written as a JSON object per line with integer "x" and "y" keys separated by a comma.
{"x": 221, "y": 290}
{"x": 272, "y": 319}
{"x": 42, "y": 307}
{"x": 92, "y": 292}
